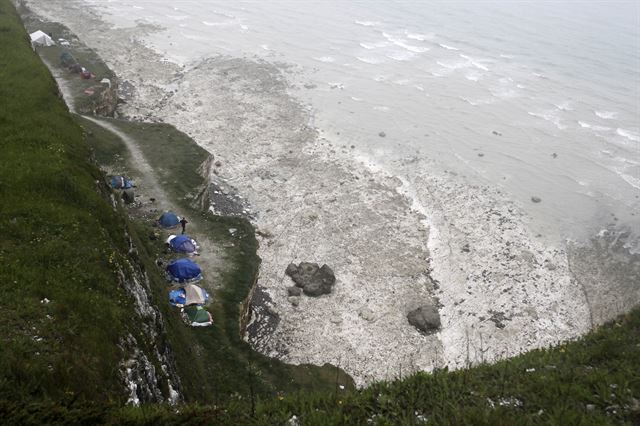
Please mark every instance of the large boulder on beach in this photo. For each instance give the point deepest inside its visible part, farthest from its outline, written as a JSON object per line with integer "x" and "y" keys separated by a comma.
{"x": 313, "y": 280}
{"x": 425, "y": 318}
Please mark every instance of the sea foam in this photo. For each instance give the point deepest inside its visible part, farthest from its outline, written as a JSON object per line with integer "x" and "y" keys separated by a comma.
{"x": 327, "y": 59}
{"x": 632, "y": 136}
{"x": 444, "y": 46}
{"x": 419, "y": 37}
{"x": 370, "y": 46}
{"x": 401, "y": 56}
{"x": 369, "y": 60}
{"x": 550, "y": 117}
{"x": 367, "y": 23}
{"x": 607, "y": 115}
{"x": 593, "y": 127}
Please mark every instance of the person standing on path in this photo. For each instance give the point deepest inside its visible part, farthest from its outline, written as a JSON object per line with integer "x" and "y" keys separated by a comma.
{"x": 183, "y": 222}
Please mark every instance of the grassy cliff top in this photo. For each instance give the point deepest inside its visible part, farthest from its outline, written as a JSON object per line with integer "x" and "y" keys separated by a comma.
{"x": 61, "y": 308}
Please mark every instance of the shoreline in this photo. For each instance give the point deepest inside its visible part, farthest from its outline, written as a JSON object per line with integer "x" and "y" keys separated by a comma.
{"x": 301, "y": 336}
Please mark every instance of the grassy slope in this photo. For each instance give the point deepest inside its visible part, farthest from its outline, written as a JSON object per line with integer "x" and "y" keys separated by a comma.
{"x": 59, "y": 235}
{"x": 591, "y": 381}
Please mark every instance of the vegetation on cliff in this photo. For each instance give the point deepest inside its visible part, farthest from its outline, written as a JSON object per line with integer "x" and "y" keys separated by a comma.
{"x": 62, "y": 315}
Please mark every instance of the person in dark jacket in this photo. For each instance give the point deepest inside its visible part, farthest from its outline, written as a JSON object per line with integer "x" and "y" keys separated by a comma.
{"x": 183, "y": 222}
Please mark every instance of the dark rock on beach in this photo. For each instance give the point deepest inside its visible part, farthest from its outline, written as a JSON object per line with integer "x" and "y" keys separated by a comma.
{"x": 536, "y": 199}
{"x": 382, "y": 134}
{"x": 313, "y": 280}
{"x": 425, "y": 318}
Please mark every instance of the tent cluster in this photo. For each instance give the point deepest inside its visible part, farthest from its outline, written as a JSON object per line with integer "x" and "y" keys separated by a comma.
{"x": 126, "y": 185}
{"x": 70, "y": 63}
{"x": 187, "y": 296}
{"x": 191, "y": 298}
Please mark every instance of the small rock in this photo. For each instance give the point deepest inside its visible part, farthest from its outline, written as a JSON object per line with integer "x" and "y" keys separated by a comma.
{"x": 382, "y": 134}
{"x": 590, "y": 407}
{"x": 366, "y": 314}
{"x": 495, "y": 132}
{"x": 295, "y": 301}
{"x": 218, "y": 164}
{"x": 536, "y": 199}
{"x": 426, "y": 318}
{"x": 294, "y": 291}
{"x": 554, "y": 155}
{"x": 480, "y": 154}
{"x": 45, "y": 301}
{"x": 465, "y": 248}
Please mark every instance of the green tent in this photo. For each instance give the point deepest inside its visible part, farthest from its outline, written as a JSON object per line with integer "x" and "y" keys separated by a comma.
{"x": 197, "y": 316}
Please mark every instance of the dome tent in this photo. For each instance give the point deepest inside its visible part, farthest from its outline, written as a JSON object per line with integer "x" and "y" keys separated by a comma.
{"x": 183, "y": 270}
{"x": 197, "y": 316}
{"x": 189, "y": 294}
{"x": 120, "y": 182}
{"x": 182, "y": 244}
{"x": 168, "y": 220}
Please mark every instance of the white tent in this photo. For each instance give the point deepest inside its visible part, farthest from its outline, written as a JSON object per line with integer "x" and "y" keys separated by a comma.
{"x": 41, "y": 38}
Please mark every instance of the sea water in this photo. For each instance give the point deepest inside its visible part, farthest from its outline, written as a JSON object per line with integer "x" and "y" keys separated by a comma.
{"x": 539, "y": 99}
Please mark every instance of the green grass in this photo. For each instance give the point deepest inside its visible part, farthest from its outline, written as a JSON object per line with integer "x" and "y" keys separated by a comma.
{"x": 59, "y": 236}
{"x": 592, "y": 381}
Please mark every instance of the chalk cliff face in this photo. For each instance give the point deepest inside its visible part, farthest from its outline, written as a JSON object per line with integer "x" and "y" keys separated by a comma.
{"x": 148, "y": 367}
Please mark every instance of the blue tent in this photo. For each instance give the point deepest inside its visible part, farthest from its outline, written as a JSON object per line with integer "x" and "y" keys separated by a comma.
{"x": 168, "y": 220}
{"x": 183, "y": 270}
{"x": 189, "y": 294}
{"x": 120, "y": 182}
{"x": 182, "y": 244}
